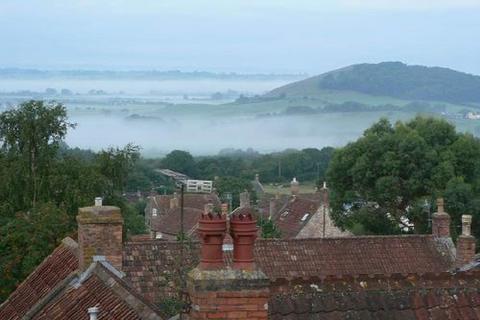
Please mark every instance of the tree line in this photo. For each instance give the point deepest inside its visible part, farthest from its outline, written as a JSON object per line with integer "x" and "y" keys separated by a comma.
{"x": 43, "y": 183}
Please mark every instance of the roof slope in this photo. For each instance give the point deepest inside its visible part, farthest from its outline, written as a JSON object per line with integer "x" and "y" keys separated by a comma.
{"x": 150, "y": 266}
{"x": 430, "y": 296}
{"x": 292, "y": 217}
{"x": 353, "y": 255}
{"x": 169, "y": 223}
{"x": 52, "y": 271}
{"x": 96, "y": 287}
{"x": 73, "y": 304}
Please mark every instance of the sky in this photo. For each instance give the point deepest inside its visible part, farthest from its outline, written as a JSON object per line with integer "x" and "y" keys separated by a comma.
{"x": 264, "y": 36}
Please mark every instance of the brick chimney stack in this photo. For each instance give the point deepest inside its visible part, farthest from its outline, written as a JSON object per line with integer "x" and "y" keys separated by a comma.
{"x": 244, "y": 199}
{"x": 223, "y": 292}
{"x": 325, "y": 195}
{"x": 294, "y": 186}
{"x": 174, "y": 201}
{"x": 100, "y": 234}
{"x": 441, "y": 221}
{"x": 465, "y": 243}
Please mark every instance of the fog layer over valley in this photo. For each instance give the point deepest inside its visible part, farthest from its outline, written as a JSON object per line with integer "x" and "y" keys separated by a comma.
{"x": 208, "y": 113}
{"x": 208, "y": 135}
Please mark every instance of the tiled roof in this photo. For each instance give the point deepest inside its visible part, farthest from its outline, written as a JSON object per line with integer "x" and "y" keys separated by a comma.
{"x": 191, "y": 200}
{"x": 53, "y": 270}
{"x": 292, "y": 217}
{"x": 169, "y": 223}
{"x": 263, "y": 206}
{"x": 97, "y": 286}
{"x": 73, "y": 304}
{"x": 150, "y": 265}
{"x": 408, "y": 297}
{"x": 167, "y": 220}
{"x": 355, "y": 255}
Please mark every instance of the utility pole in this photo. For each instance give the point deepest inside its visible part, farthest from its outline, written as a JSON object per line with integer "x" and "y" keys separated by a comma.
{"x": 325, "y": 203}
{"x": 182, "y": 237}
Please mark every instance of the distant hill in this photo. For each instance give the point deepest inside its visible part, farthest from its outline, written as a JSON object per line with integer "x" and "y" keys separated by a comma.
{"x": 392, "y": 79}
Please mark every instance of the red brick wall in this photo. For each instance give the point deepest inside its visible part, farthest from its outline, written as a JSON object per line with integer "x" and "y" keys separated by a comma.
{"x": 100, "y": 234}
{"x": 441, "y": 225}
{"x": 100, "y": 240}
{"x": 465, "y": 250}
{"x": 245, "y": 304}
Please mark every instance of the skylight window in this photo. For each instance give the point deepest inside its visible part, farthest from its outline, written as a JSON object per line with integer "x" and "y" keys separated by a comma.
{"x": 154, "y": 212}
{"x": 305, "y": 216}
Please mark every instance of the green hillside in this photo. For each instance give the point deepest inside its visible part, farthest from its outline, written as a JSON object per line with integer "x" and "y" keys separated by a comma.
{"x": 390, "y": 79}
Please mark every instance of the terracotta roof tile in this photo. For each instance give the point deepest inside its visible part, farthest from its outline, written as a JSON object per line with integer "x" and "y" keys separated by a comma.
{"x": 150, "y": 265}
{"x": 73, "y": 304}
{"x": 54, "y": 269}
{"x": 169, "y": 223}
{"x": 191, "y": 200}
{"x": 294, "y": 215}
{"x": 429, "y": 296}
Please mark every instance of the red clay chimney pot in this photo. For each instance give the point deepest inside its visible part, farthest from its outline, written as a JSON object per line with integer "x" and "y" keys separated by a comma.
{"x": 211, "y": 229}
{"x": 243, "y": 229}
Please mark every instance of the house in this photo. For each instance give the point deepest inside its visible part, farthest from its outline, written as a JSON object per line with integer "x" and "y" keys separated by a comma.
{"x": 369, "y": 277}
{"x": 162, "y": 213}
{"x": 301, "y": 215}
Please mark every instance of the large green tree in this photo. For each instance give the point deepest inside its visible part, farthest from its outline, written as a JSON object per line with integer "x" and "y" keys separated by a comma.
{"x": 387, "y": 180}
{"x": 30, "y": 136}
{"x": 43, "y": 183}
{"x": 180, "y": 161}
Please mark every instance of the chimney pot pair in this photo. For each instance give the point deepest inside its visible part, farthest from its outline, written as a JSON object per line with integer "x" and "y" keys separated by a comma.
{"x": 212, "y": 229}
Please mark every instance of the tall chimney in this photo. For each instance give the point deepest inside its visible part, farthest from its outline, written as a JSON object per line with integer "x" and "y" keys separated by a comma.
{"x": 100, "y": 234}
{"x": 294, "y": 186}
{"x": 272, "y": 209}
{"x": 325, "y": 195}
{"x": 465, "y": 243}
{"x": 441, "y": 221}
{"x": 244, "y": 199}
{"x": 221, "y": 292}
{"x": 174, "y": 201}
